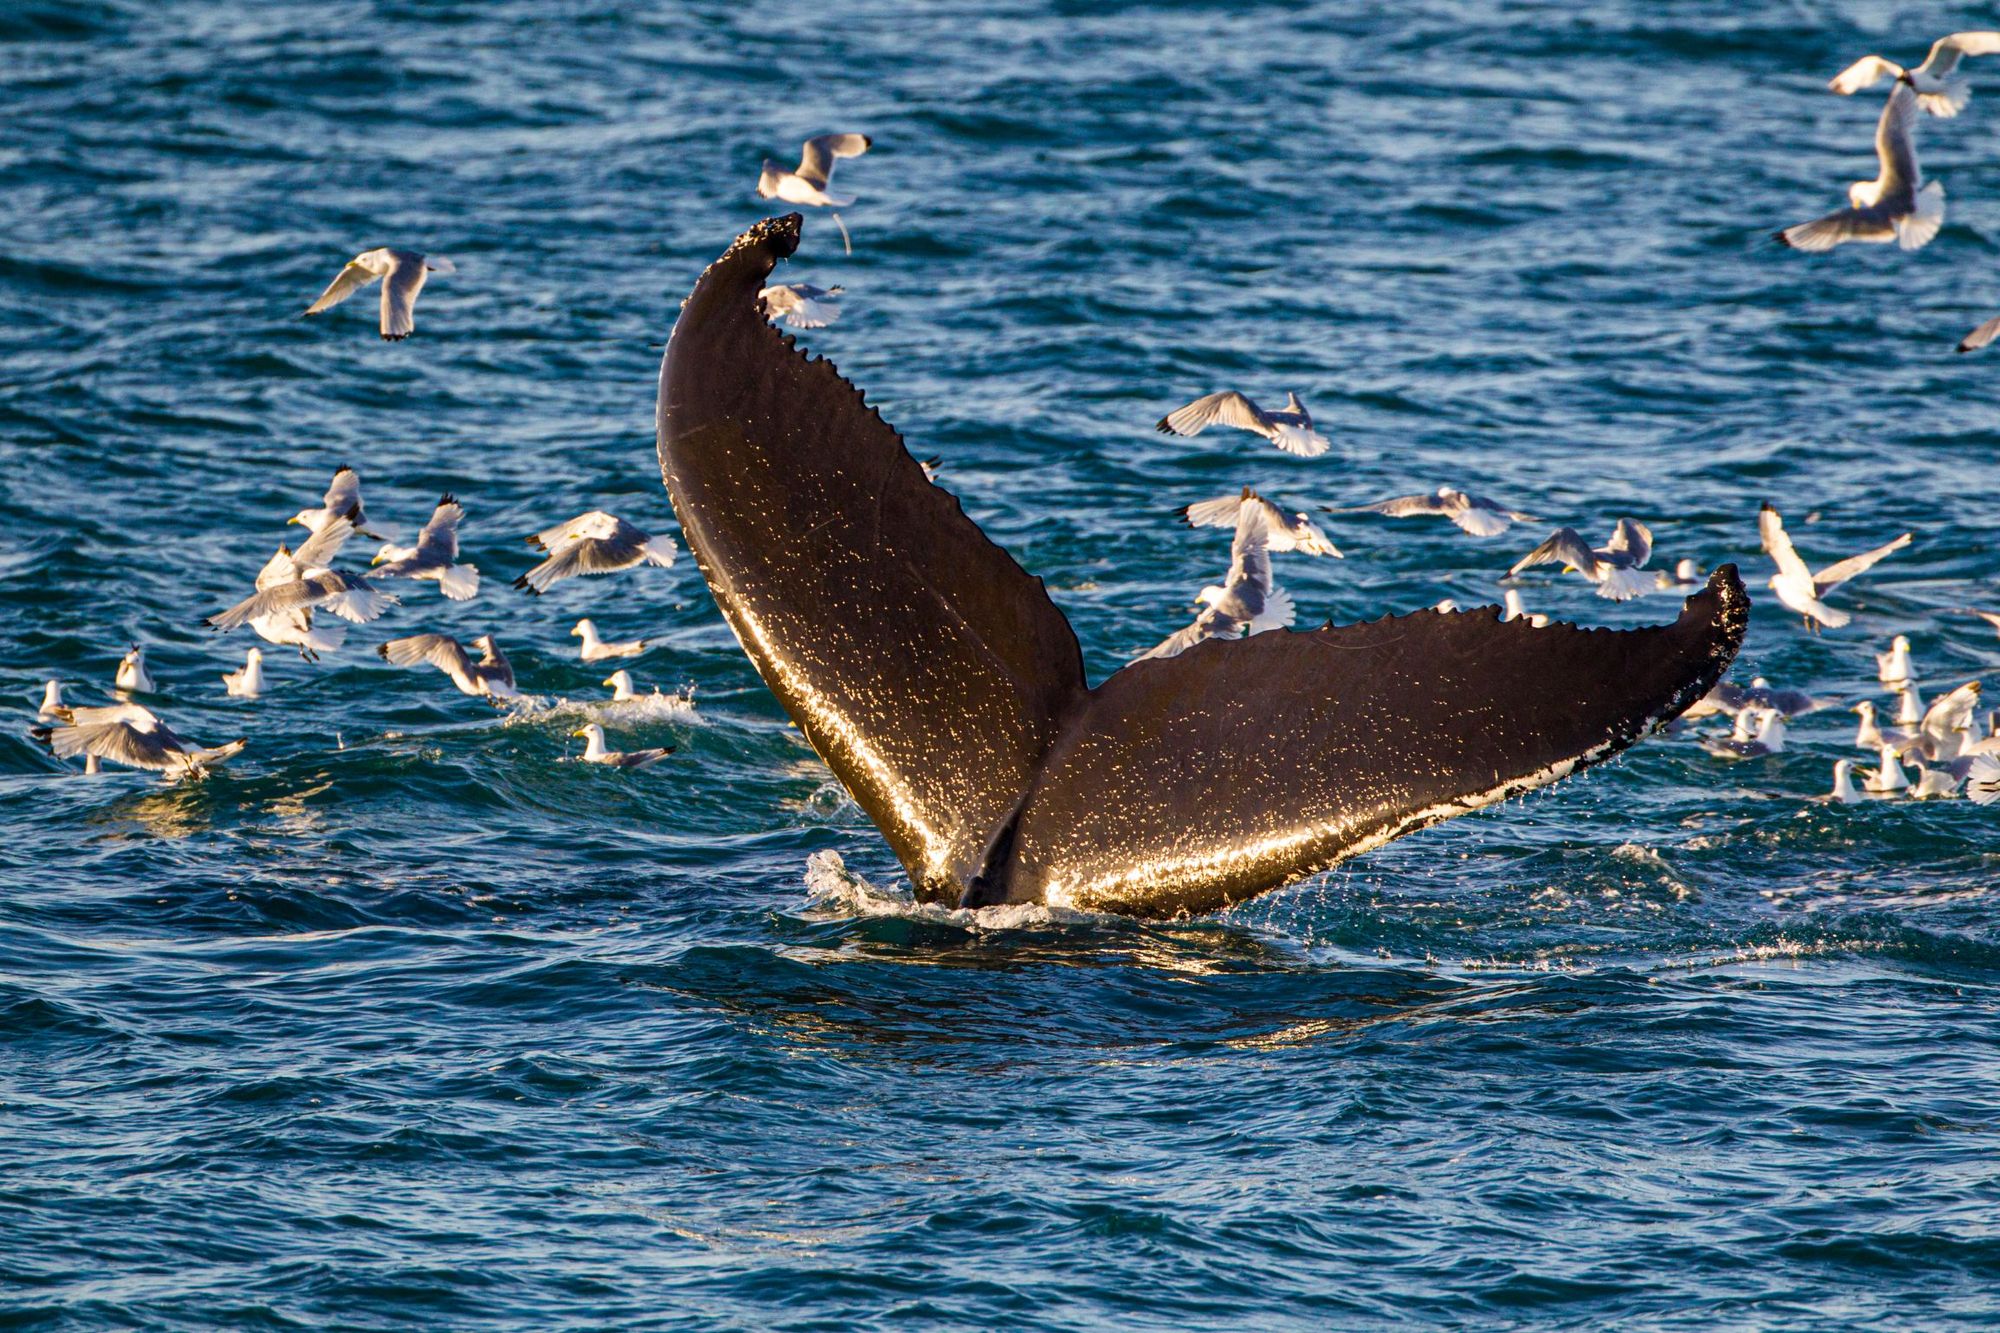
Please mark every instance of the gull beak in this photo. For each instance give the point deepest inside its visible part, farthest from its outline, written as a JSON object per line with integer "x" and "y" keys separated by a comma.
{"x": 606, "y": 681}
{"x": 375, "y": 560}
{"x": 578, "y": 732}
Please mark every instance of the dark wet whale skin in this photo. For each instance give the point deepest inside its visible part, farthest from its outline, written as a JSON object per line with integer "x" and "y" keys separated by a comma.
{"x": 946, "y": 690}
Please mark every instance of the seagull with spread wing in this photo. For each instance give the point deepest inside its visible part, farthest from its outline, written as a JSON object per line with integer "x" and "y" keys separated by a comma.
{"x": 1290, "y": 427}
{"x": 435, "y": 556}
{"x": 592, "y": 543}
{"x": 810, "y": 184}
{"x": 1247, "y": 601}
{"x": 492, "y": 676}
{"x": 801, "y": 305}
{"x": 401, "y": 273}
{"x": 133, "y": 736}
{"x": 1293, "y": 532}
{"x": 1937, "y": 91}
{"x": 1898, "y": 205}
{"x": 343, "y": 500}
{"x": 1799, "y": 587}
{"x": 1614, "y": 567}
{"x": 1474, "y": 514}
{"x": 305, "y": 581}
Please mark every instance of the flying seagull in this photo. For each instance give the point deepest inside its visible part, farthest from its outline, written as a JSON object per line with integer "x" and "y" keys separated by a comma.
{"x": 1294, "y": 532}
{"x": 1898, "y": 205}
{"x": 1247, "y": 602}
{"x": 343, "y": 500}
{"x": 810, "y": 183}
{"x": 130, "y": 735}
{"x": 1937, "y": 92}
{"x": 402, "y": 274}
{"x": 802, "y": 305}
{"x": 1290, "y": 428}
{"x": 1474, "y": 514}
{"x": 593, "y": 543}
{"x": 435, "y": 555}
{"x": 1614, "y": 567}
{"x": 491, "y": 676}
{"x": 305, "y": 581}
{"x": 597, "y": 650}
{"x": 1801, "y": 589}
{"x": 595, "y": 753}
{"x": 1980, "y": 336}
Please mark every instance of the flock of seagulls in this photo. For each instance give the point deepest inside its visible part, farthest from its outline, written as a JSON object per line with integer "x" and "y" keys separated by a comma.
{"x": 297, "y": 591}
{"x": 1899, "y": 205}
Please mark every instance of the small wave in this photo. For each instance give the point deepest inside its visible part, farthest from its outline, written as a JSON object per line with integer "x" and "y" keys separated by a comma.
{"x": 833, "y": 889}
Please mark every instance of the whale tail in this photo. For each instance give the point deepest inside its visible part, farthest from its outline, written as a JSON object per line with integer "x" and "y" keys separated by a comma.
{"x": 945, "y": 689}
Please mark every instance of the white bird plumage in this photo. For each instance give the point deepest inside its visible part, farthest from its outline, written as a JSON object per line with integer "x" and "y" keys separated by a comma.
{"x": 1799, "y": 587}
{"x": 401, "y": 273}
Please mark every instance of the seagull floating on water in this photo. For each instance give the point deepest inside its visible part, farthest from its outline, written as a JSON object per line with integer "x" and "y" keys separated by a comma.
{"x": 435, "y": 555}
{"x": 133, "y": 736}
{"x": 1801, "y": 589}
{"x": 1290, "y": 428}
{"x": 1686, "y": 574}
{"x": 1898, "y": 205}
{"x": 597, "y": 650}
{"x": 492, "y": 676}
{"x": 814, "y": 178}
{"x": 1759, "y": 732}
{"x": 1474, "y": 514}
{"x": 1614, "y": 567}
{"x": 1843, "y": 792}
{"x": 343, "y": 500}
{"x": 595, "y": 753}
{"x": 1295, "y": 532}
{"x": 801, "y": 305}
{"x": 249, "y": 682}
{"x": 401, "y": 273}
{"x": 593, "y": 543}
{"x": 1937, "y": 92}
{"x": 1888, "y": 777}
{"x": 1246, "y": 602}
{"x": 132, "y": 674}
{"x": 1893, "y": 667}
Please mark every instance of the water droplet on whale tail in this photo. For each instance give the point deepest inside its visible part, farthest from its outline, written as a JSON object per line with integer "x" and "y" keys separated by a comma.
{"x": 944, "y": 688}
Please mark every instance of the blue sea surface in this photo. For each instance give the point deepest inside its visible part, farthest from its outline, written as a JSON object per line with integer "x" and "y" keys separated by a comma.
{"x": 400, "y": 1021}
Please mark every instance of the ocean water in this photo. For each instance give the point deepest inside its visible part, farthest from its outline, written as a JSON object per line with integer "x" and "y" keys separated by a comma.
{"x": 399, "y": 1021}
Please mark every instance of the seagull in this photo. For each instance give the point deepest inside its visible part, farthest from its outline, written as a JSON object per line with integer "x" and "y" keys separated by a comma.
{"x": 597, "y": 650}
{"x": 1293, "y": 533}
{"x": 1247, "y": 602}
{"x": 810, "y": 183}
{"x": 1937, "y": 92}
{"x": 1686, "y": 574}
{"x": 1933, "y": 783}
{"x": 1872, "y": 735}
{"x": 303, "y": 581}
{"x": 1977, "y": 339}
{"x": 1843, "y": 792}
{"x": 1887, "y": 778}
{"x": 1768, "y": 736}
{"x": 1517, "y": 610}
{"x": 1733, "y": 699}
{"x": 1893, "y": 667}
{"x": 52, "y": 704}
{"x": 622, "y": 691}
{"x": 434, "y": 556}
{"x": 1898, "y": 205}
{"x": 1614, "y": 567}
{"x": 491, "y": 676}
{"x": 595, "y": 753}
{"x": 343, "y": 500}
{"x": 1801, "y": 589}
{"x": 293, "y": 628}
{"x": 403, "y": 273}
{"x": 1290, "y": 428}
{"x": 1474, "y": 514}
{"x": 249, "y": 682}
{"x": 593, "y": 543}
{"x": 132, "y": 674}
{"x": 130, "y": 735}
{"x": 1946, "y": 730}
{"x": 801, "y": 305}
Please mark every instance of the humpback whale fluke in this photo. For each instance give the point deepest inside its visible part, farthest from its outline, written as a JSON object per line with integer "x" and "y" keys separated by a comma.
{"x": 940, "y": 683}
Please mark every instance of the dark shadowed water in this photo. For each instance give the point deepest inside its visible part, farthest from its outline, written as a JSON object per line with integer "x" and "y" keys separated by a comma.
{"x": 400, "y": 1022}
